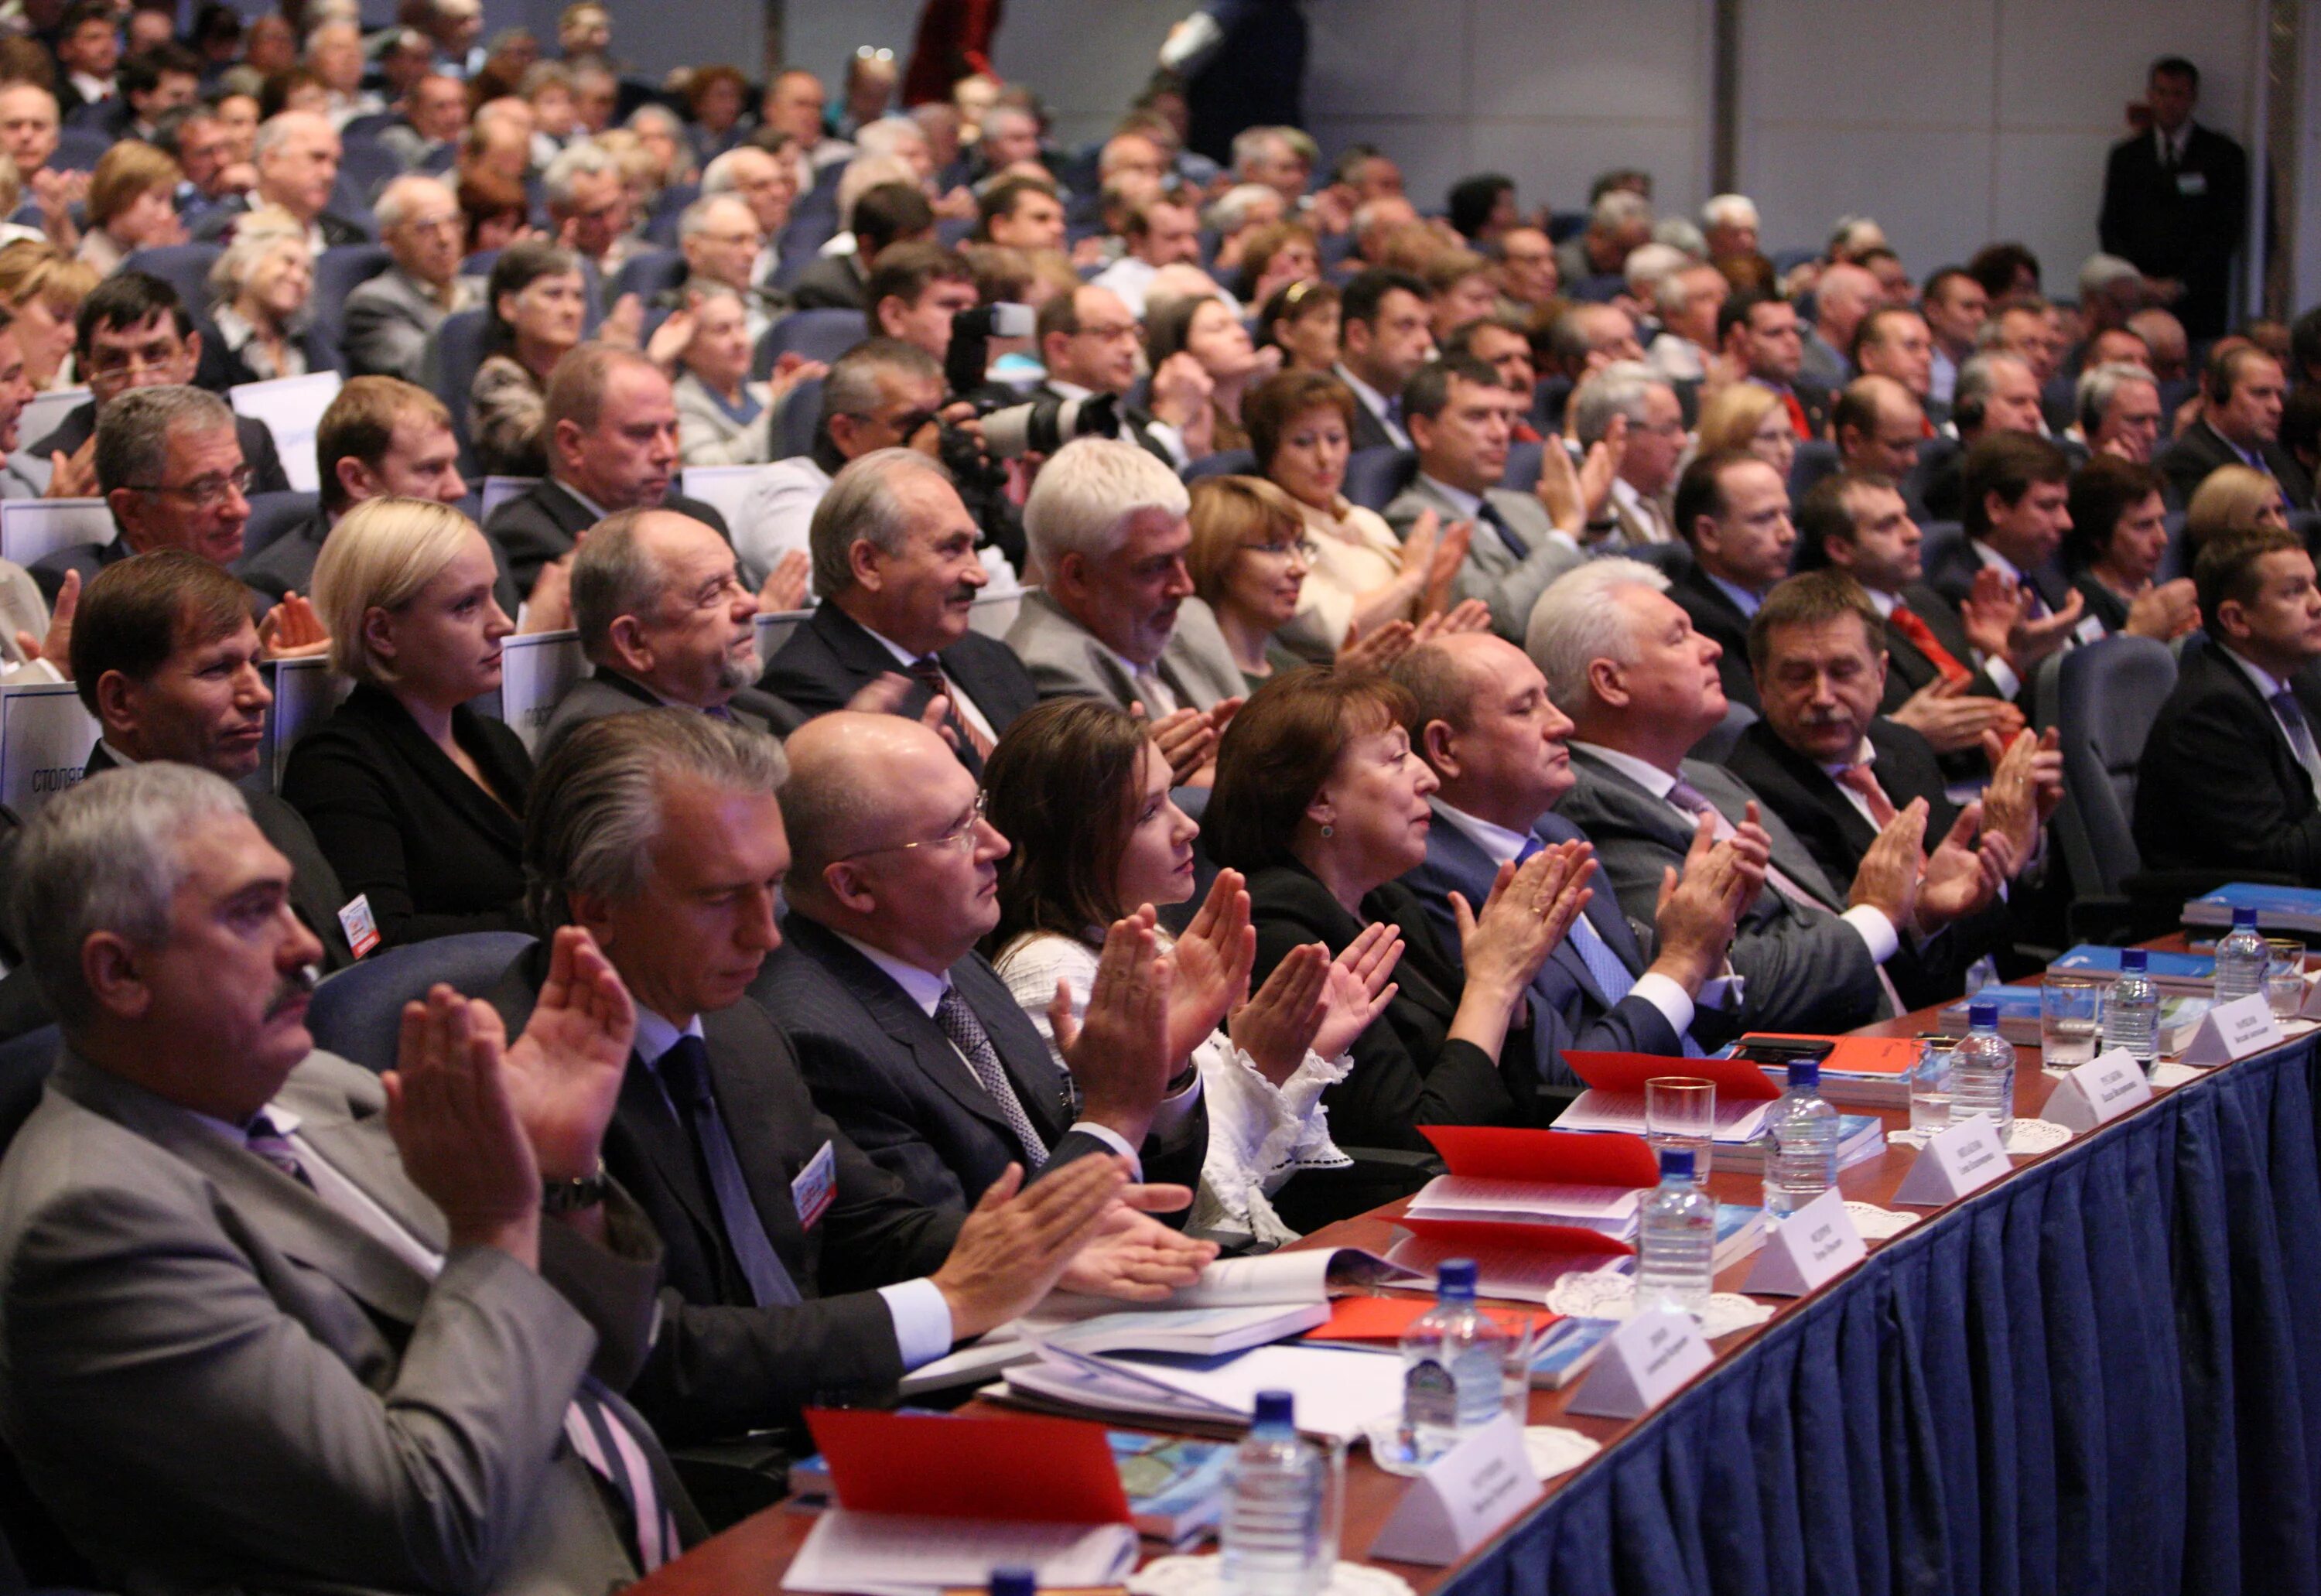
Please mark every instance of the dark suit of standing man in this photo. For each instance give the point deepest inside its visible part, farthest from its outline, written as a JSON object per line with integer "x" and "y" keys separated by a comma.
{"x": 2175, "y": 200}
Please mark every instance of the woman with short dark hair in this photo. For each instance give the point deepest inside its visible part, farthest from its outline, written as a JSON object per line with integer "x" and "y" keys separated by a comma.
{"x": 535, "y": 304}
{"x": 2118, "y": 536}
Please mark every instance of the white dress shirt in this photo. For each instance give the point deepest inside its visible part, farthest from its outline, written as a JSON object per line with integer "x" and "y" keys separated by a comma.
{"x": 2267, "y": 685}
{"x": 960, "y": 701}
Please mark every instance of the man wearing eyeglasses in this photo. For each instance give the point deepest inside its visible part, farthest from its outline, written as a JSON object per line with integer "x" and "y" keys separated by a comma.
{"x": 390, "y": 317}
{"x": 1090, "y": 343}
{"x": 134, "y": 332}
{"x": 907, "y": 1037}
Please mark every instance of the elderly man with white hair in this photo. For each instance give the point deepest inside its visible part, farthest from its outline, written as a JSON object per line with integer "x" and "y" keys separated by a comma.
{"x": 1728, "y": 226}
{"x": 298, "y": 158}
{"x": 2119, "y": 410}
{"x": 1621, "y": 223}
{"x": 720, "y": 241}
{"x": 588, "y": 207}
{"x": 334, "y": 53}
{"x": 1688, "y": 299}
{"x": 2111, "y": 290}
{"x": 1641, "y": 688}
{"x": 1646, "y": 407}
{"x": 768, "y": 186}
{"x": 390, "y": 318}
{"x": 1844, "y": 294}
{"x": 1116, "y": 619}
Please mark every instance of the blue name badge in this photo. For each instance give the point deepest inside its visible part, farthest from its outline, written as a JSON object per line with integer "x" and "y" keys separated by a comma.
{"x": 817, "y": 1185}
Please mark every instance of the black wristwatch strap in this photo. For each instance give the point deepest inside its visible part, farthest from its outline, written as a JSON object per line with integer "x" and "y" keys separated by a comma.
{"x": 570, "y": 1197}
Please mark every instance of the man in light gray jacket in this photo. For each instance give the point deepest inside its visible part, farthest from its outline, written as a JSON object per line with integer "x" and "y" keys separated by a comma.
{"x": 390, "y": 318}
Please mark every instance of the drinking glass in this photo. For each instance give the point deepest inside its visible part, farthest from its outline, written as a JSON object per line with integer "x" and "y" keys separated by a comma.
{"x": 1680, "y": 1111}
{"x": 2071, "y": 1021}
{"x": 2284, "y": 977}
{"x": 1930, "y": 1085}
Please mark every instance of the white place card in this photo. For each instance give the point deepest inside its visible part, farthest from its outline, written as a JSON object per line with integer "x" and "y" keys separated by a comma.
{"x": 292, "y": 409}
{"x": 1462, "y": 1497}
{"x": 536, "y": 671}
{"x": 2311, "y": 1009}
{"x": 1640, "y": 1365}
{"x": 2232, "y": 1031}
{"x": 2098, "y": 1091}
{"x": 33, "y": 529}
{"x": 1806, "y": 1250}
{"x": 1969, "y": 1155}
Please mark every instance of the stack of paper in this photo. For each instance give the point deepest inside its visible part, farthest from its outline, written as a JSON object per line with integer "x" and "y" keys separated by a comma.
{"x": 1536, "y": 1177}
{"x": 1859, "y": 1071}
{"x": 1615, "y": 1098}
{"x": 2018, "y": 1016}
{"x": 1338, "y": 1393}
{"x": 1608, "y": 1209}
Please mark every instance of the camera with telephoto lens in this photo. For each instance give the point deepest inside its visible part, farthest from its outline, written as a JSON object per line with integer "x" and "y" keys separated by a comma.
{"x": 1013, "y": 428}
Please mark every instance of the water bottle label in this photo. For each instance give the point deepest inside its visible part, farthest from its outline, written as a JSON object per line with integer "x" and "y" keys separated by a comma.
{"x": 1429, "y": 1396}
{"x": 2233, "y": 1030}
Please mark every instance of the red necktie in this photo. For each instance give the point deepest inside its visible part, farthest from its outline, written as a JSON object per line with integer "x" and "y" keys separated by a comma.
{"x": 1862, "y": 779}
{"x": 1798, "y": 415}
{"x": 1921, "y": 637}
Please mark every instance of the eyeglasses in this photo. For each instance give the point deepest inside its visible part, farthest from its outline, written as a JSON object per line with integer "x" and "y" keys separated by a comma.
{"x": 1296, "y": 548}
{"x": 207, "y": 493}
{"x": 961, "y": 836}
{"x": 128, "y": 362}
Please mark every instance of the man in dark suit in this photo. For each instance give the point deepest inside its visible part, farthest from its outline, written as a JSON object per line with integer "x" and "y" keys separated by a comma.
{"x": 884, "y": 215}
{"x": 2229, "y": 772}
{"x": 2003, "y": 580}
{"x": 1384, "y": 334}
{"x": 1758, "y": 334}
{"x": 1482, "y": 720}
{"x": 297, "y": 156}
{"x": 907, "y": 1035}
{"x": 612, "y": 445}
{"x": 665, "y": 621}
{"x": 134, "y": 332}
{"x": 2242, "y": 393}
{"x": 895, "y": 563}
{"x": 1641, "y": 688}
{"x": 1090, "y": 343}
{"x": 165, "y": 657}
{"x": 797, "y": 1271}
{"x": 1826, "y": 762}
{"x": 2175, "y": 200}
{"x": 1733, "y": 510}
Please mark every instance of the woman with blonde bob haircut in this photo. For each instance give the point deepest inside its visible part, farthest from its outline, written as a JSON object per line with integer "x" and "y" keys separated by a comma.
{"x": 2230, "y": 499}
{"x": 43, "y": 287}
{"x": 416, "y": 799}
{"x": 1749, "y": 416}
{"x": 131, "y": 205}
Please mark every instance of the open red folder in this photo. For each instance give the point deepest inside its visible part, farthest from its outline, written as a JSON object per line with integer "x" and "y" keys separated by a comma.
{"x": 1737, "y": 1080}
{"x": 1494, "y": 1153}
{"x": 1024, "y": 1470}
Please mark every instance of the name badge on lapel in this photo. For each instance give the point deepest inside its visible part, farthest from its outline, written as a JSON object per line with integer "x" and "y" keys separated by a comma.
{"x": 816, "y": 1186}
{"x": 2191, "y": 184}
{"x": 355, "y": 920}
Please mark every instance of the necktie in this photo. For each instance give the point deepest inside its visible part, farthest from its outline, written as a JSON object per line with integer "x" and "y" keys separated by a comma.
{"x": 2035, "y": 604}
{"x": 1606, "y": 968}
{"x": 1798, "y": 415}
{"x": 1488, "y": 515}
{"x": 1912, "y": 625}
{"x": 266, "y": 1139}
{"x": 1862, "y": 779}
{"x": 966, "y": 1033}
{"x": 928, "y": 672}
{"x": 2291, "y": 715}
{"x": 608, "y": 1446}
{"x": 684, "y": 1072}
{"x": 1394, "y": 412}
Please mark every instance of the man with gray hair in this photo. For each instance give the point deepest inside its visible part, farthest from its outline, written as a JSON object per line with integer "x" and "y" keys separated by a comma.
{"x": 665, "y": 620}
{"x": 2119, "y": 411}
{"x": 404, "y": 1374}
{"x": 895, "y": 561}
{"x": 1728, "y": 226}
{"x": 298, "y": 158}
{"x": 1627, "y": 396}
{"x": 588, "y": 210}
{"x": 720, "y": 241}
{"x": 1116, "y": 619}
{"x": 768, "y": 186}
{"x": 1620, "y": 222}
{"x": 1641, "y": 688}
{"x": 390, "y": 318}
{"x": 1688, "y": 299}
{"x": 434, "y": 118}
{"x": 1842, "y": 296}
{"x": 1997, "y": 392}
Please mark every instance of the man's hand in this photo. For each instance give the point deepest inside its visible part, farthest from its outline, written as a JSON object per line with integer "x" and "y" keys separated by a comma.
{"x": 786, "y": 584}
{"x": 2026, "y": 784}
{"x": 1558, "y": 489}
{"x": 73, "y": 475}
{"x": 885, "y": 693}
{"x": 1951, "y": 718}
{"x": 1212, "y": 963}
{"x": 2032, "y": 639}
{"x": 2166, "y": 611}
{"x": 1181, "y": 391}
{"x": 1188, "y": 738}
{"x": 1120, "y": 1054}
{"x": 1442, "y": 568}
{"x": 1378, "y": 649}
{"x": 673, "y": 337}
{"x": 1017, "y": 1241}
{"x": 1959, "y": 879}
{"x": 56, "y": 648}
{"x": 1990, "y": 612}
{"x": 1357, "y": 986}
{"x": 1887, "y": 878}
{"x": 1699, "y": 907}
{"x": 1135, "y": 1257}
{"x": 449, "y": 1111}
{"x": 292, "y": 630}
{"x": 550, "y": 607}
{"x": 564, "y": 1072}
{"x": 624, "y": 325}
{"x": 1529, "y": 909}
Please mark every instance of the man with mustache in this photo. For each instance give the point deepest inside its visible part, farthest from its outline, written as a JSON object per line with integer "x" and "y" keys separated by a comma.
{"x": 895, "y": 563}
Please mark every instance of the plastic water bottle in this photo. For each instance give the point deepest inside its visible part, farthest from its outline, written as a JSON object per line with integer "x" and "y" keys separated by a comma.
{"x": 1800, "y": 1143}
{"x": 1676, "y": 1239}
{"x": 2241, "y": 958}
{"x": 1982, "y": 1085}
{"x": 1014, "y": 1582}
{"x": 1453, "y": 1367}
{"x": 2131, "y": 1012}
{"x": 1276, "y": 1495}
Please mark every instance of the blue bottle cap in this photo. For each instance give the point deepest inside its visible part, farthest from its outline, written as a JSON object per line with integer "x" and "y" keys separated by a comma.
{"x": 1455, "y": 1278}
{"x": 2245, "y": 919}
{"x": 1013, "y": 1582}
{"x": 2131, "y": 959}
{"x": 1979, "y": 1014}
{"x": 1276, "y": 1409}
{"x": 1676, "y": 1163}
{"x": 1805, "y": 1072}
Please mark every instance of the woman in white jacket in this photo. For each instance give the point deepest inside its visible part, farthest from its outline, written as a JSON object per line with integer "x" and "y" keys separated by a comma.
{"x": 1082, "y": 796}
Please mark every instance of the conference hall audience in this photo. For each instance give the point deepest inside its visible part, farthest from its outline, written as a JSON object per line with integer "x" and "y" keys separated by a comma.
{"x": 390, "y": 317}
{"x": 535, "y": 302}
{"x": 2118, "y": 539}
{"x": 416, "y": 799}
{"x": 1733, "y": 512}
{"x": 261, "y": 325}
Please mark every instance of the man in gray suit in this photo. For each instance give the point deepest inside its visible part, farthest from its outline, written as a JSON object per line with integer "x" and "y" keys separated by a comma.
{"x": 1462, "y": 418}
{"x": 262, "y": 1331}
{"x": 390, "y": 318}
{"x": 1641, "y": 688}
{"x": 665, "y": 620}
{"x": 1117, "y": 619}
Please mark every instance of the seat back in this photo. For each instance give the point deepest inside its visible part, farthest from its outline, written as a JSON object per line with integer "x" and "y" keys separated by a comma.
{"x": 358, "y": 1012}
{"x": 1668, "y": 559}
{"x": 79, "y": 148}
{"x": 183, "y": 267}
{"x": 653, "y": 272}
{"x": 1224, "y": 463}
{"x": 1814, "y": 461}
{"x": 795, "y": 419}
{"x": 816, "y": 334}
{"x": 450, "y": 366}
{"x": 338, "y": 273}
{"x": 273, "y": 513}
{"x": 1374, "y": 476}
{"x": 2105, "y": 697}
{"x": 1522, "y": 473}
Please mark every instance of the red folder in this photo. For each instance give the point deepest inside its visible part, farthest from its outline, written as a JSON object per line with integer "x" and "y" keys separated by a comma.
{"x": 1582, "y": 1158}
{"x": 1529, "y": 1239}
{"x": 1385, "y": 1318}
{"x": 1737, "y": 1080}
{"x": 1047, "y": 1470}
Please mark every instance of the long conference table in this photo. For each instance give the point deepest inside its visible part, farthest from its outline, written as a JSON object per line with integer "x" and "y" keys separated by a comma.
{"x": 2100, "y": 1373}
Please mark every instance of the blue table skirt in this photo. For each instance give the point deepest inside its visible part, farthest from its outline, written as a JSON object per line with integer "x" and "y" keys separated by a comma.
{"x": 2103, "y": 1375}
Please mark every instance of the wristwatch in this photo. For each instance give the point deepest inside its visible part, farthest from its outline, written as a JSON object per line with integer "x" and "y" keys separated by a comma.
{"x": 570, "y": 1196}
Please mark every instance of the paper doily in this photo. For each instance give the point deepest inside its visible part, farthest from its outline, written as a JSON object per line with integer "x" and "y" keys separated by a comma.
{"x": 1553, "y": 1450}
{"x": 2176, "y": 1074}
{"x": 2024, "y": 1136}
{"x": 1205, "y": 1576}
{"x": 1613, "y": 1297}
{"x": 1875, "y": 1224}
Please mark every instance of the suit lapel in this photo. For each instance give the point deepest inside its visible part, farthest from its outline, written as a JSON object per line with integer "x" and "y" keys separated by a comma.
{"x": 449, "y": 782}
{"x": 652, "y": 1128}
